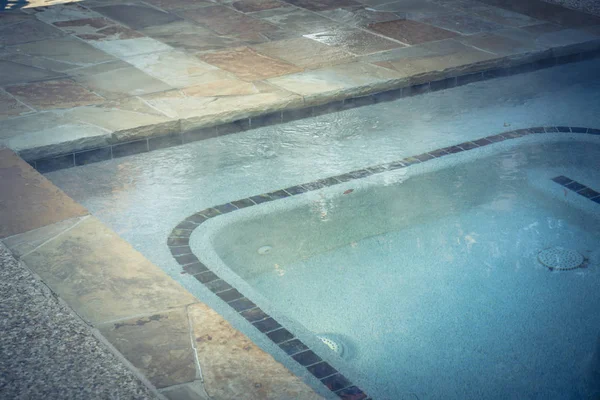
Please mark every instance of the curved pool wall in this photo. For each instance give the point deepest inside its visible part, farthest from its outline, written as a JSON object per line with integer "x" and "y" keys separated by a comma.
{"x": 318, "y": 293}
{"x": 128, "y": 194}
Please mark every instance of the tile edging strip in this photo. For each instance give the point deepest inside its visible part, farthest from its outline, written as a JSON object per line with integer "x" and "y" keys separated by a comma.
{"x": 178, "y": 243}
{"x": 577, "y": 188}
{"x": 151, "y": 143}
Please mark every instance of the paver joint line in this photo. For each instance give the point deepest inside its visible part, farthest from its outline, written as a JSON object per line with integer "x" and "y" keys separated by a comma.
{"x": 81, "y": 219}
{"x": 193, "y": 345}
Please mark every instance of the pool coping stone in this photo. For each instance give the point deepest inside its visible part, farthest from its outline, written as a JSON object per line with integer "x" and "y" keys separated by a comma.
{"x": 511, "y": 66}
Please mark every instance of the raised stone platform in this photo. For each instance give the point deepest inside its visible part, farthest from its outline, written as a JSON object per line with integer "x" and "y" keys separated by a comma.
{"x": 100, "y": 74}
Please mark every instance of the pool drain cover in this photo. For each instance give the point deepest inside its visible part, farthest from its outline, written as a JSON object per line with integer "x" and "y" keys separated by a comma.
{"x": 333, "y": 344}
{"x": 560, "y": 258}
{"x": 264, "y": 250}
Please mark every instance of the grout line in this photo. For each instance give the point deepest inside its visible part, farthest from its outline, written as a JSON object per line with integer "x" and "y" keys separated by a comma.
{"x": 83, "y": 218}
{"x": 199, "y": 375}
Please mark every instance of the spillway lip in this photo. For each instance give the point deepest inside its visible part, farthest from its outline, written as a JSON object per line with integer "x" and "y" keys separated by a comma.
{"x": 560, "y": 258}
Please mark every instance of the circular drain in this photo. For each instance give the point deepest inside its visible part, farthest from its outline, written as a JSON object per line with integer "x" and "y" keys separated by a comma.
{"x": 333, "y": 344}
{"x": 560, "y": 258}
{"x": 264, "y": 250}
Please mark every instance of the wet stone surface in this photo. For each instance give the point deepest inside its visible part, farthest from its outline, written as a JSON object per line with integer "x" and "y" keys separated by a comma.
{"x": 411, "y": 32}
{"x": 54, "y": 94}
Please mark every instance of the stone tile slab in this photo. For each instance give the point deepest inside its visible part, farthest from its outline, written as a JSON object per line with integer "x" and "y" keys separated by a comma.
{"x": 434, "y": 60}
{"x": 65, "y": 12}
{"x": 359, "y": 15}
{"x": 307, "y": 53}
{"x": 564, "y": 41}
{"x": 179, "y": 5}
{"x": 321, "y": 5}
{"x": 303, "y": 22}
{"x": 49, "y": 65}
{"x": 198, "y": 112}
{"x": 49, "y": 133}
{"x": 248, "y": 6}
{"x": 355, "y": 41}
{"x": 28, "y": 31}
{"x": 158, "y": 344}
{"x": 28, "y": 200}
{"x": 10, "y": 107}
{"x": 8, "y": 19}
{"x": 13, "y": 73}
{"x": 502, "y": 44}
{"x": 273, "y": 12}
{"x": 235, "y": 368}
{"x": 97, "y": 29}
{"x": 117, "y": 80}
{"x": 461, "y": 23}
{"x": 414, "y": 8}
{"x": 226, "y": 21}
{"x": 66, "y": 50}
{"x": 248, "y": 64}
{"x": 102, "y": 277}
{"x": 137, "y": 16}
{"x": 502, "y": 16}
{"x": 224, "y": 87}
{"x": 125, "y": 124}
{"x": 547, "y": 12}
{"x": 411, "y": 32}
{"x": 190, "y": 37}
{"x": 52, "y": 141}
{"x": 130, "y": 47}
{"x": 177, "y": 69}
{"x": 24, "y": 243}
{"x": 337, "y": 82}
{"x": 54, "y": 94}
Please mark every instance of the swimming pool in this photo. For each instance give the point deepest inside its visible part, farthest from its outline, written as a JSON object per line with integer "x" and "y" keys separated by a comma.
{"x": 431, "y": 279}
{"x": 428, "y": 274}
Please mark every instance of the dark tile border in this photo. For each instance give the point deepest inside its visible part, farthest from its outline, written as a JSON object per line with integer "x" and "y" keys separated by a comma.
{"x": 88, "y": 156}
{"x": 578, "y": 188}
{"x": 178, "y": 243}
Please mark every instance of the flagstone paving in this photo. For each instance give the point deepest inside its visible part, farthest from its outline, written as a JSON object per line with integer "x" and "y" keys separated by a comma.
{"x": 200, "y": 63}
{"x": 131, "y": 328}
{"x": 102, "y": 73}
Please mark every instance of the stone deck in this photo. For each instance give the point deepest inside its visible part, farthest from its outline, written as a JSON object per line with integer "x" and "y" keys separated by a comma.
{"x": 98, "y": 73}
{"x": 81, "y": 306}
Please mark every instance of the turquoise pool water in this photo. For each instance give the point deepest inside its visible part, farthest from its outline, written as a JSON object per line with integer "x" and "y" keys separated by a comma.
{"x": 432, "y": 282}
{"x": 465, "y": 311}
